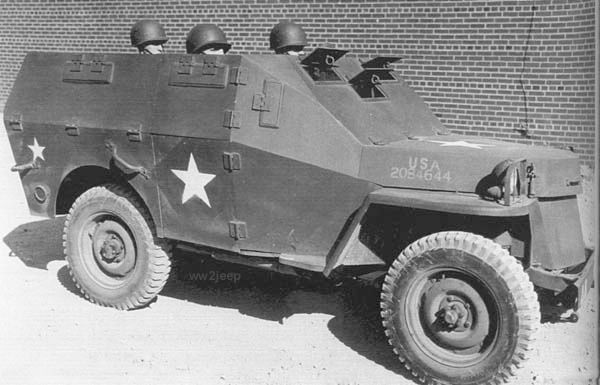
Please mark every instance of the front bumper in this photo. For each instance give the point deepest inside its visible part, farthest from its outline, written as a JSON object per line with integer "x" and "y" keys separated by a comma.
{"x": 570, "y": 285}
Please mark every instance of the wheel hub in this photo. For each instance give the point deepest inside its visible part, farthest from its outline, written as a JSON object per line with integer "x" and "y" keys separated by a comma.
{"x": 113, "y": 248}
{"x": 455, "y": 312}
{"x": 455, "y": 315}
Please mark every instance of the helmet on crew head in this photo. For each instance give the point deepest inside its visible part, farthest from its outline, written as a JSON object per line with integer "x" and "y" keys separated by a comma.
{"x": 205, "y": 36}
{"x": 287, "y": 34}
{"x": 146, "y": 31}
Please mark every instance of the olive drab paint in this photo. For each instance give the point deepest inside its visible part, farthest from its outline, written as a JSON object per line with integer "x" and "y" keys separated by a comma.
{"x": 273, "y": 156}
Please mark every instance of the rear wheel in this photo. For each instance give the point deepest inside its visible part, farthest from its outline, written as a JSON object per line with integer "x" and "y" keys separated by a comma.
{"x": 457, "y": 308}
{"x": 110, "y": 249}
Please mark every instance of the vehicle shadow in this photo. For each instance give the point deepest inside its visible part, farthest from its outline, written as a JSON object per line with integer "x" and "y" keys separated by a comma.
{"x": 359, "y": 327}
{"x": 274, "y": 297}
{"x": 261, "y": 294}
{"x": 258, "y": 293}
{"x": 37, "y": 243}
{"x": 64, "y": 277}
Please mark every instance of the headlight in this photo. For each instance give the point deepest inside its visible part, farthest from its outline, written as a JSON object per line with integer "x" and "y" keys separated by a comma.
{"x": 507, "y": 181}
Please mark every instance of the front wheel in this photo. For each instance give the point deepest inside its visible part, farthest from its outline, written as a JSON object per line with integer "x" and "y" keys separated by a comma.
{"x": 109, "y": 246}
{"x": 458, "y": 309}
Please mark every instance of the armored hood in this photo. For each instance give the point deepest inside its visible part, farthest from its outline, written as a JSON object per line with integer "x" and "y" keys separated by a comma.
{"x": 460, "y": 163}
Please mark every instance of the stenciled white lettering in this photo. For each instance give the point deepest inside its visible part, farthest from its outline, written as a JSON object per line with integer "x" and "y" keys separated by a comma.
{"x": 421, "y": 168}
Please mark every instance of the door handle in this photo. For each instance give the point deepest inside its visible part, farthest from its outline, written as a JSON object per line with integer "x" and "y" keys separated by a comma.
{"x": 123, "y": 165}
{"x": 24, "y": 166}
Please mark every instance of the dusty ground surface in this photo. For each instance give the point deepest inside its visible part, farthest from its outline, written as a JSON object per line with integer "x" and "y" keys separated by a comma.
{"x": 228, "y": 326}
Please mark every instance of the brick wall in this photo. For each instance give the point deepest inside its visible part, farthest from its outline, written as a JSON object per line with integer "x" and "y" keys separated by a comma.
{"x": 488, "y": 68}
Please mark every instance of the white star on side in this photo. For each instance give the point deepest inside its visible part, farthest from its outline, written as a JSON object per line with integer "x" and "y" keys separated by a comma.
{"x": 195, "y": 182}
{"x": 38, "y": 151}
{"x": 461, "y": 143}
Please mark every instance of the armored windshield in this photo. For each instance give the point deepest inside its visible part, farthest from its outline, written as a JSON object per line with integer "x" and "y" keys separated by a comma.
{"x": 369, "y": 99}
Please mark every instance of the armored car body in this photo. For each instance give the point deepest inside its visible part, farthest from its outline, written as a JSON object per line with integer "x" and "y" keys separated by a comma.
{"x": 324, "y": 165}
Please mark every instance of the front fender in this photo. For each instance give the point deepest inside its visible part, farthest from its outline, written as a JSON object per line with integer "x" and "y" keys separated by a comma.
{"x": 352, "y": 252}
{"x": 456, "y": 203}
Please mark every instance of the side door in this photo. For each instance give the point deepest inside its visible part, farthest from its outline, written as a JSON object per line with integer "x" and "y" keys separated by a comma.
{"x": 195, "y": 189}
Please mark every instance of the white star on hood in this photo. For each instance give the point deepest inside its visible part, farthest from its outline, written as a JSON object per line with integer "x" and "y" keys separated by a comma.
{"x": 461, "y": 143}
{"x": 38, "y": 151}
{"x": 195, "y": 182}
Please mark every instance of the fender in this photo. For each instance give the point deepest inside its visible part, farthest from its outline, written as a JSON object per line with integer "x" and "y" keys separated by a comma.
{"x": 456, "y": 203}
{"x": 350, "y": 251}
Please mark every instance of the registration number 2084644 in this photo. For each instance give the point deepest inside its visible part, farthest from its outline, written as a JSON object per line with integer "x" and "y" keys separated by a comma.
{"x": 421, "y": 168}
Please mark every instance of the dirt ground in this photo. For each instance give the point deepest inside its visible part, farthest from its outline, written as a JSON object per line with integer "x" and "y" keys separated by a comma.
{"x": 221, "y": 325}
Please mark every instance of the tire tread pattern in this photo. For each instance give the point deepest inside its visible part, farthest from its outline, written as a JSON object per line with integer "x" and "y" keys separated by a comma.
{"x": 507, "y": 268}
{"x": 159, "y": 264}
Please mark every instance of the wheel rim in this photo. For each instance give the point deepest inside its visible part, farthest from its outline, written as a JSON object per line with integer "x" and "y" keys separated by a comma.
{"x": 107, "y": 249}
{"x": 452, "y": 316}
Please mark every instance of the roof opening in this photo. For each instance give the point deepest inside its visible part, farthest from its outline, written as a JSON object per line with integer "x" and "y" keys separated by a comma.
{"x": 367, "y": 83}
{"x": 320, "y": 65}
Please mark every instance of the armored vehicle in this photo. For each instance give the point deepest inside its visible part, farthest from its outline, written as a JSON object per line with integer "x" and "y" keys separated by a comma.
{"x": 325, "y": 165}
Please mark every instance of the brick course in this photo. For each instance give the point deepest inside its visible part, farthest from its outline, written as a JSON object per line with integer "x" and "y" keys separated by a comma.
{"x": 466, "y": 58}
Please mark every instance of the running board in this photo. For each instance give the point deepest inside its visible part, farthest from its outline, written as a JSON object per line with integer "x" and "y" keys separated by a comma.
{"x": 306, "y": 262}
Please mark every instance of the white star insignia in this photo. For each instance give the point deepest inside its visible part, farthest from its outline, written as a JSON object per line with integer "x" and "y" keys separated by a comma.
{"x": 195, "y": 182}
{"x": 38, "y": 151}
{"x": 461, "y": 143}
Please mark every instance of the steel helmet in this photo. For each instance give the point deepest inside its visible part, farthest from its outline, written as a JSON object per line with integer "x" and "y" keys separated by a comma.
{"x": 205, "y": 36}
{"x": 287, "y": 34}
{"x": 145, "y": 31}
